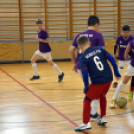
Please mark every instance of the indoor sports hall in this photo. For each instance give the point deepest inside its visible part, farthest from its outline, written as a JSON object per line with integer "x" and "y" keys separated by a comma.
{"x": 46, "y": 106}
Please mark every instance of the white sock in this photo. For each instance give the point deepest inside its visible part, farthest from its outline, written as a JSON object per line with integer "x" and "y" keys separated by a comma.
{"x": 119, "y": 88}
{"x": 94, "y": 107}
{"x": 34, "y": 66}
{"x": 57, "y": 69}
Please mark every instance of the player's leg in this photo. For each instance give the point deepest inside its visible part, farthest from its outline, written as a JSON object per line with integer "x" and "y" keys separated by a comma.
{"x": 129, "y": 73}
{"x": 103, "y": 104}
{"x": 86, "y": 109}
{"x": 121, "y": 67}
{"x": 86, "y": 116}
{"x": 35, "y": 57}
{"x": 94, "y": 115}
{"x": 127, "y": 63}
{"x": 94, "y": 92}
{"x": 48, "y": 57}
{"x": 130, "y": 94}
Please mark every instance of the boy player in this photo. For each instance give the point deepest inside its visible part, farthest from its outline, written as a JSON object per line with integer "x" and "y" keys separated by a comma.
{"x": 94, "y": 63}
{"x": 122, "y": 41}
{"x": 96, "y": 39}
{"x": 129, "y": 73}
{"x": 44, "y": 51}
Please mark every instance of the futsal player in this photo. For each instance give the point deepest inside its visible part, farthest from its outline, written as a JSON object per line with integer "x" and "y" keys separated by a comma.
{"x": 96, "y": 39}
{"x": 122, "y": 42}
{"x": 131, "y": 92}
{"x": 129, "y": 73}
{"x": 44, "y": 51}
{"x": 94, "y": 63}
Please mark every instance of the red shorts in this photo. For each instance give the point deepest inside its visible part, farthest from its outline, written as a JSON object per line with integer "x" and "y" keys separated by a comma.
{"x": 95, "y": 91}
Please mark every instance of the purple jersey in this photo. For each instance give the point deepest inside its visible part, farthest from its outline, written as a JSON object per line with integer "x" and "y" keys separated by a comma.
{"x": 122, "y": 42}
{"x": 43, "y": 47}
{"x": 131, "y": 44}
{"x": 95, "y": 38}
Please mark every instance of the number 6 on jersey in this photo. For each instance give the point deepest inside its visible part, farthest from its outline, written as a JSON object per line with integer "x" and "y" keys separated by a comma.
{"x": 98, "y": 63}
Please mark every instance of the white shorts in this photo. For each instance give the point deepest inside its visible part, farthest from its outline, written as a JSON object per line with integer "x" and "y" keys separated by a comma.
{"x": 123, "y": 63}
{"x": 130, "y": 70}
{"x": 47, "y": 55}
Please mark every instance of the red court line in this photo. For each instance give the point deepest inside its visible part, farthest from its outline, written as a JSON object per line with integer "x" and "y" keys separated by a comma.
{"x": 50, "y": 106}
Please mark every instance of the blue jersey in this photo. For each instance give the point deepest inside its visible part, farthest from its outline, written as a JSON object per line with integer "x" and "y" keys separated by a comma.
{"x": 94, "y": 59}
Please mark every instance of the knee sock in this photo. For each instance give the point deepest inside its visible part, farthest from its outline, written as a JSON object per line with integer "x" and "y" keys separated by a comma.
{"x": 86, "y": 111}
{"x": 103, "y": 105}
{"x": 34, "y": 66}
{"x": 132, "y": 84}
{"x": 94, "y": 107}
{"x": 119, "y": 88}
{"x": 57, "y": 69}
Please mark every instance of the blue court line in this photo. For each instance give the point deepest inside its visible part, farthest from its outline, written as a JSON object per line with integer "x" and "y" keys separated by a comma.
{"x": 30, "y": 122}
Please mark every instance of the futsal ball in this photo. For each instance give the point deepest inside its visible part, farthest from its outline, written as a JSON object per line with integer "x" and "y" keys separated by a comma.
{"x": 121, "y": 102}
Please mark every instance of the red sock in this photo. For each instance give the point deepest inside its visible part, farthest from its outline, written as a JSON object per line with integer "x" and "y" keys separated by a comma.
{"x": 86, "y": 111}
{"x": 103, "y": 105}
{"x": 132, "y": 88}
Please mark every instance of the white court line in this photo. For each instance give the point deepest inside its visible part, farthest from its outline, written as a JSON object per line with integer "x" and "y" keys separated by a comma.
{"x": 65, "y": 101}
{"x": 21, "y": 104}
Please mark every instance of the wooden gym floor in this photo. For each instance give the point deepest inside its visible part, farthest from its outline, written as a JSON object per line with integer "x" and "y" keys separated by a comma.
{"x": 48, "y": 107}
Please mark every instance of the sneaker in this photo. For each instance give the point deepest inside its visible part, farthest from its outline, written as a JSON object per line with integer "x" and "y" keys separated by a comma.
{"x": 102, "y": 121}
{"x": 35, "y": 78}
{"x": 112, "y": 104}
{"x": 94, "y": 117}
{"x": 83, "y": 127}
{"x": 130, "y": 95}
{"x": 60, "y": 77}
{"x": 115, "y": 84}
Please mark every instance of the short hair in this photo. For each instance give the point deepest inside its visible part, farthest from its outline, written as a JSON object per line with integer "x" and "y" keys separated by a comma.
{"x": 82, "y": 40}
{"x": 39, "y": 21}
{"x": 93, "y": 20}
{"x": 126, "y": 28}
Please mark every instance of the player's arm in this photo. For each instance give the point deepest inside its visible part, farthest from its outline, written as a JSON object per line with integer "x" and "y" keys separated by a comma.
{"x": 72, "y": 53}
{"x": 85, "y": 76}
{"x": 101, "y": 40}
{"x": 72, "y": 50}
{"x": 46, "y": 36}
{"x": 43, "y": 40}
{"x": 113, "y": 63}
{"x": 127, "y": 52}
{"x": 115, "y": 67}
{"x": 115, "y": 48}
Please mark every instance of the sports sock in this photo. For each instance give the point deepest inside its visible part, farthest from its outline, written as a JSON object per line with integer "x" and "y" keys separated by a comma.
{"x": 118, "y": 89}
{"x": 57, "y": 69}
{"x": 132, "y": 84}
{"x": 94, "y": 107}
{"x": 131, "y": 88}
{"x": 86, "y": 111}
{"x": 103, "y": 105}
{"x": 34, "y": 66}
